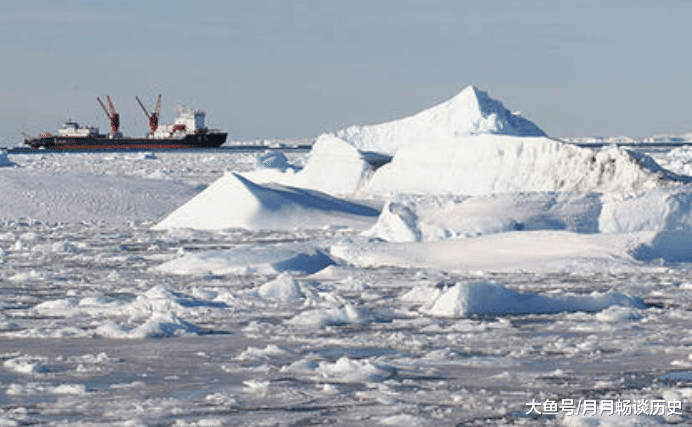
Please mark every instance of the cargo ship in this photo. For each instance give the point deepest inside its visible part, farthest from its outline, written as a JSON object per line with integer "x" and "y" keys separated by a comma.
{"x": 187, "y": 131}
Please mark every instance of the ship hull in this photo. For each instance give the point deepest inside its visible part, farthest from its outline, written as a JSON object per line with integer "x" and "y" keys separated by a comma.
{"x": 201, "y": 140}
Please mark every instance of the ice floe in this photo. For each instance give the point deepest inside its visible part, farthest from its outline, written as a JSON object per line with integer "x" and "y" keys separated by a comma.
{"x": 265, "y": 259}
{"x": 283, "y": 288}
{"x": 321, "y": 317}
{"x": 540, "y": 250}
{"x": 159, "y": 325}
{"x": 344, "y": 370}
{"x": 494, "y": 299}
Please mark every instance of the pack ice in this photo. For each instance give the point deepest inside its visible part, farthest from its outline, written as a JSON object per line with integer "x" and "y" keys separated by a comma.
{"x": 443, "y": 269}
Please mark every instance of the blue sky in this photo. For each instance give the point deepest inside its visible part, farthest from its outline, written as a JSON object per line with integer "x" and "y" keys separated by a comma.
{"x": 298, "y": 68}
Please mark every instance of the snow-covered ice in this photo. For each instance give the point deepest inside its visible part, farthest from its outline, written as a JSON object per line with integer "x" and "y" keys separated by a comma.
{"x": 234, "y": 201}
{"x": 480, "y": 268}
{"x": 492, "y": 299}
{"x": 485, "y": 164}
{"x": 408, "y": 218}
{"x": 251, "y": 259}
{"x": 471, "y": 112}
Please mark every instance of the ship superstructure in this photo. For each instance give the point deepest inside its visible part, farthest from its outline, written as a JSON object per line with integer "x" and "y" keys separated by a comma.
{"x": 187, "y": 121}
{"x": 74, "y": 130}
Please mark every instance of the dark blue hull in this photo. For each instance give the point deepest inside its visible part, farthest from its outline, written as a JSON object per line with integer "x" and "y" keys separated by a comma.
{"x": 198, "y": 140}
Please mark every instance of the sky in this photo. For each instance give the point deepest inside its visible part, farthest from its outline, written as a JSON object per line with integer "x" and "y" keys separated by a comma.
{"x": 268, "y": 69}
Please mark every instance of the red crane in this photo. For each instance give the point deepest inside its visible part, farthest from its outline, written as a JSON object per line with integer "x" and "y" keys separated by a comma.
{"x": 154, "y": 116}
{"x": 112, "y": 115}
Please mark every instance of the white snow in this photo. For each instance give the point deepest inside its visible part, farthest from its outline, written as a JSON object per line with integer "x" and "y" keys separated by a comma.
{"x": 656, "y": 210}
{"x": 486, "y": 164}
{"x": 471, "y": 112}
{"x": 272, "y": 160}
{"x": 255, "y": 259}
{"x": 236, "y": 202}
{"x": 283, "y": 288}
{"x": 347, "y": 370}
{"x": 334, "y": 167}
{"x": 323, "y": 317}
{"x": 157, "y": 326}
{"x": 344, "y": 370}
{"x": 75, "y": 197}
{"x": 407, "y": 218}
{"x": 540, "y": 250}
{"x": 493, "y": 299}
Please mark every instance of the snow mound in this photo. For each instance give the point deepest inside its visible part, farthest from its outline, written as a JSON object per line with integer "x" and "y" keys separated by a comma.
{"x": 334, "y": 167}
{"x": 283, "y": 288}
{"x": 486, "y": 164}
{"x": 396, "y": 223}
{"x": 236, "y": 202}
{"x": 471, "y": 112}
{"x": 271, "y": 351}
{"x": 666, "y": 211}
{"x": 656, "y": 210}
{"x": 26, "y": 365}
{"x": 159, "y": 325}
{"x": 264, "y": 259}
{"x": 671, "y": 246}
{"x": 492, "y": 299}
{"x": 272, "y": 160}
{"x": 347, "y": 370}
{"x": 435, "y": 217}
{"x": 322, "y": 317}
{"x": 344, "y": 370}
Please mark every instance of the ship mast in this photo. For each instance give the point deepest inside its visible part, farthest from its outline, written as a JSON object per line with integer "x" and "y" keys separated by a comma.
{"x": 111, "y": 114}
{"x": 154, "y": 116}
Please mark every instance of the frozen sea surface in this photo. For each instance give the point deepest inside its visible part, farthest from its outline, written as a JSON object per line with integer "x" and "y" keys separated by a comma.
{"x": 94, "y": 333}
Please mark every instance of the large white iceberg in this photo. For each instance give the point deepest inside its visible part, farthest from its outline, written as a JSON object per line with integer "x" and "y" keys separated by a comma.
{"x": 471, "y": 112}
{"x": 485, "y": 164}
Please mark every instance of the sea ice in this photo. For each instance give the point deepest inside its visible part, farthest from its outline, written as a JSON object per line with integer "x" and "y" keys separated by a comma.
{"x": 438, "y": 217}
{"x": 334, "y": 167}
{"x": 321, "y": 317}
{"x": 471, "y": 112}
{"x": 659, "y": 209}
{"x": 265, "y": 259}
{"x": 484, "y": 164}
{"x": 494, "y": 299}
{"x": 272, "y": 160}
{"x": 236, "y": 202}
{"x": 433, "y": 318}
{"x": 159, "y": 325}
{"x": 283, "y": 288}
